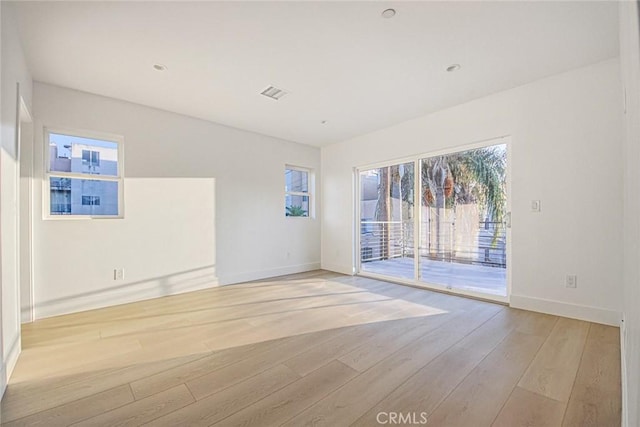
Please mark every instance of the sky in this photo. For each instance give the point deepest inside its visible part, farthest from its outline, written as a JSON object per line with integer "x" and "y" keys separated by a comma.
{"x": 62, "y": 140}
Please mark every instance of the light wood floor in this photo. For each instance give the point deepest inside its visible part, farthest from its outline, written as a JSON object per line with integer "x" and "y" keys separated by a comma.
{"x": 314, "y": 349}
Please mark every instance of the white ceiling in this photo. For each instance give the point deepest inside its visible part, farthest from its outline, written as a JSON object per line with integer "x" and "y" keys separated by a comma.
{"x": 340, "y": 61}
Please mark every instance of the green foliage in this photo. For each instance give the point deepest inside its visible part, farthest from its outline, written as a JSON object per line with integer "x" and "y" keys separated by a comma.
{"x": 296, "y": 211}
{"x": 487, "y": 167}
{"x": 479, "y": 176}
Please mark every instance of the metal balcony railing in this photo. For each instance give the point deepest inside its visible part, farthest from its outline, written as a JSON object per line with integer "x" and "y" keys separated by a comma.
{"x": 385, "y": 239}
{"x": 60, "y": 208}
{"x": 380, "y": 240}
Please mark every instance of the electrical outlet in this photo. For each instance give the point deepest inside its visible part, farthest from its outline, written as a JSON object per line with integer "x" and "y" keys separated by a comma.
{"x": 118, "y": 274}
{"x": 535, "y": 206}
{"x": 571, "y": 281}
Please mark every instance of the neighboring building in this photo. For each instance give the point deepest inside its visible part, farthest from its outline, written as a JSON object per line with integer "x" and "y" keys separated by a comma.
{"x": 75, "y": 196}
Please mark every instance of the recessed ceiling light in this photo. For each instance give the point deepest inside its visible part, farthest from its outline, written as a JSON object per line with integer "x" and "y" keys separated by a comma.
{"x": 388, "y": 13}
{"x": 159, "y": 67}
{"x": 453, "y": 67}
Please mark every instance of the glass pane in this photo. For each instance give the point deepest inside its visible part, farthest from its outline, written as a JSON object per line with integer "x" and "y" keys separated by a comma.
{"x": 386, "y": 221}
{"x": 82, "y": 155}
{"x": 296, "y": 205}
{"x": 296, "y": 181}
{"x": 70, "y": 196}
{"x": 462, "y": 230}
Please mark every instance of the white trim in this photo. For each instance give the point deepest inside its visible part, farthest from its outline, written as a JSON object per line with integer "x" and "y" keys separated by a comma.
{"x": 181, "y": 282}
{"x": 25, "y": 114}
{"x": 564, "y": 309}
{"x": 623, "y": 372}
{"x": 119, "y": 178}
{"x": 25, "y": 117}
{"x": 297, "y": 168}
{"x": 356, "y": 221}
{"x": 355, "y": 224}
{"x": 417, "y": 218}
{"x": 17, "y": 224}
{"x": 3, "y": 380}
{"x": 9, "y": 363}
{"x": 336, "y": 268}
{"x": 6, "y": 368}
{"x": 508, "y": 233}
{"x": 265, "y": 274}
{"x": 436, "y": 288}
{"x": 12, "y": 357}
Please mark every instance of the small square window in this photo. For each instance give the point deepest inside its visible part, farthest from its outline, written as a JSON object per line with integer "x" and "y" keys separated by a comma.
{"x": 91, "y": 158}
{"x": 298, "y": 196}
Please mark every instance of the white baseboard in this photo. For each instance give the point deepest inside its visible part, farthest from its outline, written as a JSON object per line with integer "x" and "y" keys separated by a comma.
{"x": 158, "y": 287}
{"x": 3, "y": 383}
{"x": 12, "y": 358}
{"x": 265, "y": 274}
{"x": 173, "y": 284}
{"x": 623, "y": 372}
{"x": 574, "y": 311}
{"x": 344, "y": 269}
{"x": 9, "y": 364}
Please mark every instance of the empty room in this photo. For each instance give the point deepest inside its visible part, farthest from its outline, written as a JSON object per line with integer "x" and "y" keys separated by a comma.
{"x": 327, "y": 213}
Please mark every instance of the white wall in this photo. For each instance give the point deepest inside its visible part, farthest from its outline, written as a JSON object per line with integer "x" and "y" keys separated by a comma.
{"x": 630, "y": 67}
{"x": 566, "y": 151}
{"x": 167, "y": 242}
{"x": 14, "y": 70}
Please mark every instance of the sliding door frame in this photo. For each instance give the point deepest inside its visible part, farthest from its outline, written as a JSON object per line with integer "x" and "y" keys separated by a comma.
{"x": 417, "y": 217}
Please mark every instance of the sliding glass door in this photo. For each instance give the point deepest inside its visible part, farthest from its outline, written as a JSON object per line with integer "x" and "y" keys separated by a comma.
{"x": 387, "y": 220}
{"x": 463, "y": 214}
{"x": 438, "y": 221}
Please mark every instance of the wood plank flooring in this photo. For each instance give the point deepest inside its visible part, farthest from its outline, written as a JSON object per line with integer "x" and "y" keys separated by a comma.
{"x": 316, "y": 348}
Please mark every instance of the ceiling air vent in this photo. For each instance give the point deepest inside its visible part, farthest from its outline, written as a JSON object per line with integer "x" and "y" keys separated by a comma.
{"x": 273, "y": 93}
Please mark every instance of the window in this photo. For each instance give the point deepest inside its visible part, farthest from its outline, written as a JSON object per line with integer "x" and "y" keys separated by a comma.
{"x": 91, "y": 158}
{"x": 297, "y": 191}
{"x": 83, "y": 176}
{"x": 91, "y": 200}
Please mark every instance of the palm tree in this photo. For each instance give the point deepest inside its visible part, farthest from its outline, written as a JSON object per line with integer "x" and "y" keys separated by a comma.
{"x": 296, "y": 211}
{"x": 474, "y": 176}
{"x": 394, "y": 182}
{"x": 383, "y": 210}
{"x": 435, "y": 171}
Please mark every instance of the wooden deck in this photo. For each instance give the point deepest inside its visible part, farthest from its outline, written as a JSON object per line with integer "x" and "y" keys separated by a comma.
{"x": 476, "y": 278}
{"x": 314, "y": 349}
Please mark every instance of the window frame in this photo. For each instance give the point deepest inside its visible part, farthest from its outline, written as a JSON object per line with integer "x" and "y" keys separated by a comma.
{"x": 310, "y": 190}
{"x": 47, "y": 174}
